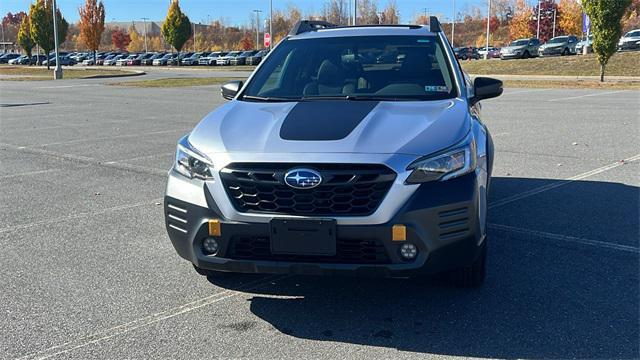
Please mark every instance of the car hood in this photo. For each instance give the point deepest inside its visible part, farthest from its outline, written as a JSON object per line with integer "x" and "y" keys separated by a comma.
{"x": 326, "y": 126}
{"x": 512, "y": 48}
{"x": 553, "y": 45}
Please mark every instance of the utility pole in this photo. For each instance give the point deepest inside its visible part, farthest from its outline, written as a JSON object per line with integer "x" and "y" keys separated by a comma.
{"x": 453, "y": 25}
{"x": 554, "y": 22}
{"x": 257, "y": 27}
{"x": 355, "y": 12}
{"x": 57, "y": 73}
{"x": 486, "y": 55}
{"x": 270, "y": 24}
{"x": 144, "y": 19}
{"x": 194, "y": 37}
{"x": 538, "y": 31}
{"x": 4, "y": 45}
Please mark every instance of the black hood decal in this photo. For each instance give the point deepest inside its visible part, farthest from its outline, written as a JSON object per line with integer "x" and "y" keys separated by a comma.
{"x": 324, "y": 120}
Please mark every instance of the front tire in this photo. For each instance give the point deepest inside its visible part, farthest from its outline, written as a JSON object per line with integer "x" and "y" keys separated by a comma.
{"x": 565, "y": 52}
{"x": 473, "y": 275}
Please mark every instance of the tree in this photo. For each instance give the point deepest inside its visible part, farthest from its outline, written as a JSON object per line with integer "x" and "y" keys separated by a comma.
{"x": 247, "y": 42}
{"x": 41, "y": 24}
{"x": 92, "y": 25}
{"x": 569, "y": 17}
{"x": 337, "y": 12}
{"x": 368, "y": 12}
{"x": 519, "y": 25}
{"x": 547, "y": 8}
{"x": 137, "y": 41}
{"x": 24, "y": 37}
{"x": 120, "y": 39}
{"x": 631, "y": 19}
{"x": 176, "y": 28}
{"x": 606, "y": 28}
{"x": 390, "y": 15}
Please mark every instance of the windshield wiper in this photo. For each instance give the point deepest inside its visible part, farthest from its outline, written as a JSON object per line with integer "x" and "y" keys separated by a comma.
{"x": 266, "y": 98}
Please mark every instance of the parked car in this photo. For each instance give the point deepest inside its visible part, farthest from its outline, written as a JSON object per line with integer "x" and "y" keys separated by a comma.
{"x": 241, "y": 59}
{"x": 466, "y": 53}
{"x": 226, "y": 60}
{"x": 559, "y": 45}
{"x": 101, "y": 60}
{"x": 138, "y": 59}
{"x": 257, "y": 58}
{"x": 212, "y": 58}
{"x": 587, "y": 42}
{"x": 65, "y": 60}
{"x": 16, "y": 61}
{"x": 149, "y": 61}
{"x": 113, "y": 60}
{"x": 162, "y": 61}
{"x": 124, "y": 61}
{"x": 178, "y": 58}
{"x": 194, "y": 58}
{"x": 308, "y": 170}
{"x": 630, "y": 40}
{"x": 520, "y": 49}
{"x": 4, "y": 59}
{"x": 493, "y": 52}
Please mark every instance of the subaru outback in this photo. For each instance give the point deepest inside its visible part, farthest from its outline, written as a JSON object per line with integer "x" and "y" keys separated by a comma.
{"x": 329, "y": 160}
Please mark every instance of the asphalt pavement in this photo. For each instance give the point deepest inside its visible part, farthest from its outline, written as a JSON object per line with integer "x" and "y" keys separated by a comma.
{"x": 88, "y": 270}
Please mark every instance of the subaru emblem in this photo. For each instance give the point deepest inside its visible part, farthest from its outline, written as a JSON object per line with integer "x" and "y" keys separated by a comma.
{"x": 302, "y": 178}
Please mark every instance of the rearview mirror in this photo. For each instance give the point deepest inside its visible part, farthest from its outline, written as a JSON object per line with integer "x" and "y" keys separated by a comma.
{"x": 230, "y": 89}
{"x": 485, "y": 88}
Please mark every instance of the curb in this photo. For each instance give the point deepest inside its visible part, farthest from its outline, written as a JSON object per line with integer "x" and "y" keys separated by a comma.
{"x": 123, "y": 74}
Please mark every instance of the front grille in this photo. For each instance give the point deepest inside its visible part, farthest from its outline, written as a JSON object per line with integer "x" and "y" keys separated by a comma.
{"x": 348, "y": 251}
{"x": 346, "y": 189}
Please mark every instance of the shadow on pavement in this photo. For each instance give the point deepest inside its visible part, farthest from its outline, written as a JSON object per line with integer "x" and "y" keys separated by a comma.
{"x": 542, "y": 299}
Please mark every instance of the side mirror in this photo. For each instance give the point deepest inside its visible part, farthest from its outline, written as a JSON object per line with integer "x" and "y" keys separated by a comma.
{"x": 230, "y": 89}
{"x": 485, "y": 88}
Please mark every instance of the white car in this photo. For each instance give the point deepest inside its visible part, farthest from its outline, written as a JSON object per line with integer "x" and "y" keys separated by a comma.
{"x": 630, "y": 40}
{"x": 226, "y": 60}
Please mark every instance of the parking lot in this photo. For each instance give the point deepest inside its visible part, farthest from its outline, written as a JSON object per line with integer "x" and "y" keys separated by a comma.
{"x": 88, "y": 270}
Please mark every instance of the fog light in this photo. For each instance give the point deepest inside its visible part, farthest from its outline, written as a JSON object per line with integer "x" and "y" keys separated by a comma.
{"x": 210, "y": 246}
{"x": 408, "y": 251}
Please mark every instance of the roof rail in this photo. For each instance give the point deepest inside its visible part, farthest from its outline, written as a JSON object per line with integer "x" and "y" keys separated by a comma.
{"x": 434, "y": 24}
{"x": 304, "y": 26}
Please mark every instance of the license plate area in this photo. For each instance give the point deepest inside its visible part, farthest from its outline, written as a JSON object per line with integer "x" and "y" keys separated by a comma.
{"x": 303, "y": 237}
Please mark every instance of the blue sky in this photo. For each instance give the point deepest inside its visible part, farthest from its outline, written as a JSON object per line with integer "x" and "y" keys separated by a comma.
{"x": 236, "y": 12}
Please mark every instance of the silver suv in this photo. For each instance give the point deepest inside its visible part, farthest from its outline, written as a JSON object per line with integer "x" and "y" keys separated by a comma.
{"x": 520, "y": 49}
{"x": 348, "y": 150}
{"x": 559, "y": 45}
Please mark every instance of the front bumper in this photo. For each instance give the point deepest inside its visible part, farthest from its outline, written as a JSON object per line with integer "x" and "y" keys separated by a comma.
{"x": 442, "y": 220}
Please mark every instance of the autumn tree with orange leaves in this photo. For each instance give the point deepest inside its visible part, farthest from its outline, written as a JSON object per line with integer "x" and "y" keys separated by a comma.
{"x": 92, "y": 24}
{"x": 519, "y": 26}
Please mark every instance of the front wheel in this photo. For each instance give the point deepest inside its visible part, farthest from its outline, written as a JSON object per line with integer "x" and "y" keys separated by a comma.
{"x": 565, "y": 52}
{"x": 526, "y": 55}
{"x": 472, "y": 275}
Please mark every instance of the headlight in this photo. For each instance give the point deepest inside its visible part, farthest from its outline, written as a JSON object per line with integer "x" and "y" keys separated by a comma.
{"x": 190, "y": 162}
{"x": 445, "y": 166}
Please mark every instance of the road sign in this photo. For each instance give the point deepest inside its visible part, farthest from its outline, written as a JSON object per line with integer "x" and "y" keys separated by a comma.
{"x": 267, "y": 39}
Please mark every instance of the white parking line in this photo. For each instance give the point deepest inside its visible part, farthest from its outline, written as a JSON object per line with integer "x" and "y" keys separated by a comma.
{"x": 80, "y": 215}
{"x": 552, "y": 236}
{"x": 28, "y": 173}
{"x": 587, "y": 95}
{"x": 538, "y": 190}
{"x": 148, "y": 320}
{"x": 124, "y": 136}
{"x": 524, "y": 91}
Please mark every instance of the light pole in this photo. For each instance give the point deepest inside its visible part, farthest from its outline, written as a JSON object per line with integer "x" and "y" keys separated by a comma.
{"x": 486, "y": 55}
{"x": 194, "y": 37}
{"x": 270, "y": 24}
{"x": 355, "y": 12}
{"x": 453, "y": 25}
{"x": 554, "y": 22}
{"x": 257, "y": 26}
{"x": 144, "y": 19}
{"x": 538, "y": 31}
{"x": 57, "y": 73}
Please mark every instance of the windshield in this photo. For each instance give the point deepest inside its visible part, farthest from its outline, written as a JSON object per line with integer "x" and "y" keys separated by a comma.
{"x": 558, "y": 40}
{"x": 633, "y": 33}
{"x": 519, "y": 43}
{"x": 380, "y": 67}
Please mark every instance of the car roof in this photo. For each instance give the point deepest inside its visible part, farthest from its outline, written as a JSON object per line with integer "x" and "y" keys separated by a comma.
{"x": 366, "y": 30}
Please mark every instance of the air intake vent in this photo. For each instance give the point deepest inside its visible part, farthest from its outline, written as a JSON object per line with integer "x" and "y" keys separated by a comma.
{"x": 177, "y": 218}
{"x": 453, "y": 223}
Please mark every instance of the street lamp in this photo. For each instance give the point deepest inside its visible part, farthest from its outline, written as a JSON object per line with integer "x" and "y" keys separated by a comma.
{"x": 57, "y": 73}
{"x": 453, "y": 24}
{"x": 486, "y": 55}
{"x": 538, "y": 31}
{"x": 257, "y": 26}
{"x": 144, "y": 19}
